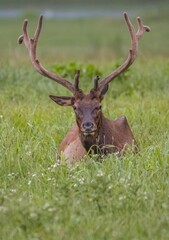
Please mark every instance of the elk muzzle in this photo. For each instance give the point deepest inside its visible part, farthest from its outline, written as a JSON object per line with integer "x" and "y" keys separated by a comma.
{"x": 88, "y": 128}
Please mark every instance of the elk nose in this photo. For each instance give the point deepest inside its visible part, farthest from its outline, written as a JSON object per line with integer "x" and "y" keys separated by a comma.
{"x": 88, "y": 126}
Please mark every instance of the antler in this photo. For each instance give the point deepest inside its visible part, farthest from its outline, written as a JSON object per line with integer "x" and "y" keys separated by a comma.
{"x": 31, "y": 44}
{"x": 135, "y": 36}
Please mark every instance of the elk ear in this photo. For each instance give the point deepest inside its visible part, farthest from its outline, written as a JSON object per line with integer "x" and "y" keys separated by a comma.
{"x": 63, "y": 101}
{"x": 103, "y": 91}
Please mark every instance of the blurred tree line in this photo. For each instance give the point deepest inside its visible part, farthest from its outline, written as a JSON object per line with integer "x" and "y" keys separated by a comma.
{"x": 21, "y": 3}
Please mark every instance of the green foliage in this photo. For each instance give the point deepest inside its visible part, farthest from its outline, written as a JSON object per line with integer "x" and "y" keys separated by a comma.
{"x": 69, "y": 70}
{"x": 114, "y": 198}
{"x": 88, "y": 71}
{"x": 117, "y": 198}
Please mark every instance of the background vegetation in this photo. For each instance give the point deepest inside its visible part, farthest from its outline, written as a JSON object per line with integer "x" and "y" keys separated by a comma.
{"x": 41, "y": 198}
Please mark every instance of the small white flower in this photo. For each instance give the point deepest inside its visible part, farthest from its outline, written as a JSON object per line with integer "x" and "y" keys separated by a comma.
{"x": 51, "y": 209}
{"x": 13, "y": 190}
{"x": 56, "y": 164}
{"x": 11, "y": 174}
{"x": 145, "y": 195}
{"x": 29, "y": 182}
{"x": 122, "y": 197}
{"x": 81, "y": 180}
{"x": 122, "y": 180}
{"x": 116, "y": 153}
{"x": 100, "y": 173}
{"x": 28, "y": 153}
{"x": 50, "y": 179}
{"x": 33, "y": 215}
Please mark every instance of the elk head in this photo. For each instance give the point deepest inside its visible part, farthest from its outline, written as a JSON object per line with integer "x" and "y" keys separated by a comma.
{"x": 87, "y": 107}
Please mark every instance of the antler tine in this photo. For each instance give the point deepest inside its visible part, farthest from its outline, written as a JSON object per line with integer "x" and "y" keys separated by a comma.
{"x": 31, "y": 44}
{"x": 96, "y": 83}
{"x": 24, "y": 36}
{"x": 132, "y": 51}
{"x": 36, "y": 37}
{"x": 141, "y": 28}
{"x": 38, "y": 29}
{"x": 130, "y": 27}
{"x": 77, "y": 76}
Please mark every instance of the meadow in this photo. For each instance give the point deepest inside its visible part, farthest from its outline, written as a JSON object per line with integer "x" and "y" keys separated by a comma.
{"x": 113, "y": 198}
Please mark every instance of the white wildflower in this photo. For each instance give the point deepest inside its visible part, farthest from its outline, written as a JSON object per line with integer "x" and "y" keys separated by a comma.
{"x": 51, "y": 179}
{"x": 100, "y": 173}
{"x": 81, "y": 180}
{"x": 122, "y": 180}
{"x": 11, "y": 174}
{"x": 28, "y": 153}
{"x": 145, "y": 196}
{"x": 51, "y": 209}
{"x": 110, "y": 187}
{"x": 13, "y": 190}
{"x": 29, "y": 182}
{"x": 33, "y": 215}
{"x": 122, "y": 197}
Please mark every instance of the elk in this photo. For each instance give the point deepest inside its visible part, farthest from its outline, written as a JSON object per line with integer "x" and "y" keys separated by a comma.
{"x": 93, "y": 132}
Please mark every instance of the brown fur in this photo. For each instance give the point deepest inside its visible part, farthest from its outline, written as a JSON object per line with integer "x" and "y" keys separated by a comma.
{"x": 114, "y": 136}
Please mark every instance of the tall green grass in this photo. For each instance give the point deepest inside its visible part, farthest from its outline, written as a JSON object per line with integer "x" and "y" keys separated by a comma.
{"x": 116, "y": 198}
